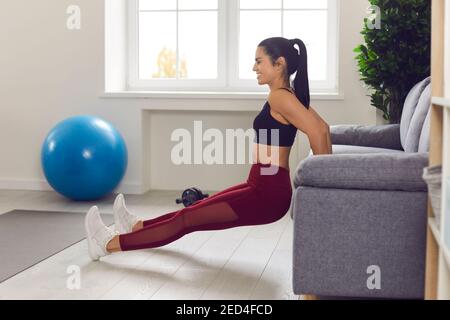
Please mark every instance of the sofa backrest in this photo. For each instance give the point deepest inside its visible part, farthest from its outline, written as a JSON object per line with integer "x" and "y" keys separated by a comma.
{"x": 414, "y": 114}
{"x": 424, "y": 141}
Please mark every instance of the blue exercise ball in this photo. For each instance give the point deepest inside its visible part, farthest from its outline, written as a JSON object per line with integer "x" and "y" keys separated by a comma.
{"x": 84, "y": 158}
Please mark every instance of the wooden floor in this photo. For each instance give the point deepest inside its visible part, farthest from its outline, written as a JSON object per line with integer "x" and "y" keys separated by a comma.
{"x": 238, "y": 263}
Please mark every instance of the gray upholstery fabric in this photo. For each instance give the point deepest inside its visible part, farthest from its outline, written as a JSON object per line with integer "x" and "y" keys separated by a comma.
{"x": 365, "y": 205}
{"x": 411, "y": 143}
{"x": 349, "y": 149}
{"x": 409, "y": 107}
{"x": 339, "y": 233}
{"x": 424, "y": 141}
{"x": 346, "y": 149}
{"x": 378, "y": 136}
{"x": 383, "y": 171}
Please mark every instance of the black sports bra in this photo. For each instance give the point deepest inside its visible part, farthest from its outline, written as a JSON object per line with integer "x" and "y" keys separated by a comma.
{"x": 267, "y": 128}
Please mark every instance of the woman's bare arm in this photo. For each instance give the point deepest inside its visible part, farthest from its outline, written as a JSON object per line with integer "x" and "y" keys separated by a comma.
{"x": 327, "y": 127}
{"x": 319, "y": 141}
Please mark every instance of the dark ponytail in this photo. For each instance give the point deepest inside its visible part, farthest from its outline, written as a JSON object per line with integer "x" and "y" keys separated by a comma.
{"x": 301, "y": 82}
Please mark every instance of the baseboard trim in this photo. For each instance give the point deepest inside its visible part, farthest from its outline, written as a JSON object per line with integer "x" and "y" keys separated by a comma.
{"x": 42, "y": 185}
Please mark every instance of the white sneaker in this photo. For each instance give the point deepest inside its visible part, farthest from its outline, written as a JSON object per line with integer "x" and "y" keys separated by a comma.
{"x": 97, "y": 234}
{"x": 124, "y": 220}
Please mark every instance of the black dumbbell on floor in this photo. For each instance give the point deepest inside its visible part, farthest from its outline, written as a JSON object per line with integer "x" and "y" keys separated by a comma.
{"x": 191, "y": 196}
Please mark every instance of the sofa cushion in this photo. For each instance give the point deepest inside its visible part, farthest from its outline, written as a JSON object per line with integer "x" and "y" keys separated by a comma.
{"x": 344, "y": 149}
{"x": 409, "y": 108}
{"x": 411, "y": 143}
{"x": 377, "y": 136}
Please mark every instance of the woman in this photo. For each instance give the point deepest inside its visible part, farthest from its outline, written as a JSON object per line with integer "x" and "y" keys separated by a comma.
{"x": 266, "y": 195}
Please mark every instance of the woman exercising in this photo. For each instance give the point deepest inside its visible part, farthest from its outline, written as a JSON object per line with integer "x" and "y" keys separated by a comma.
{"x": 265, "y": 196}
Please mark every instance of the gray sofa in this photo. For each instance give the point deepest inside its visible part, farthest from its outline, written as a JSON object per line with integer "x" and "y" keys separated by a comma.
{"x": 360, "y": 213}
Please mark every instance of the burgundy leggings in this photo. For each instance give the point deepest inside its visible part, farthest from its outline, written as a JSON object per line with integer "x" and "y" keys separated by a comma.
{"x": 264, "y": 198}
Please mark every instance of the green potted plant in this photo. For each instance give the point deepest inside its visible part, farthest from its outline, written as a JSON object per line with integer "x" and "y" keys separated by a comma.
{"x": 396, "y": 55}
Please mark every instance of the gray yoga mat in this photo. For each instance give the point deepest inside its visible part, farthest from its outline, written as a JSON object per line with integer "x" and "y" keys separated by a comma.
{"x": 29, "y": 237}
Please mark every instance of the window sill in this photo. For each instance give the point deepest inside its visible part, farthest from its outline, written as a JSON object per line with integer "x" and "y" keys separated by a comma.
{"x": 207, "y": 95}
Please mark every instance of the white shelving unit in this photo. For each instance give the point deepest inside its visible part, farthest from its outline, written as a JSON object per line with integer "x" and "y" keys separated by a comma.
{"x": 438, "y": 238}
{"x": 441, "y": 234}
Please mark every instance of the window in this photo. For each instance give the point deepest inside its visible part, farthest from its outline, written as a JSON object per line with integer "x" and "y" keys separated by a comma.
{"x": 198, "y": 45}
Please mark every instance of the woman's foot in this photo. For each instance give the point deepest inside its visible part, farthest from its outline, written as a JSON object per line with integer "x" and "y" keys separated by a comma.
{"x": 97, "y": 234}
{"x": 124, "y": 220}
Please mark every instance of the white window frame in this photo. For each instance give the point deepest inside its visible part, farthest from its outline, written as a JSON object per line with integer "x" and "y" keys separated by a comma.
{"x": 228, "y": 60}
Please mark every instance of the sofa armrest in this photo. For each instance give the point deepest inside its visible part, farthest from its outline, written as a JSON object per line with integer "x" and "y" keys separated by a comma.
{"x": 377, "y": 171}
{"x": 377, "y": 136}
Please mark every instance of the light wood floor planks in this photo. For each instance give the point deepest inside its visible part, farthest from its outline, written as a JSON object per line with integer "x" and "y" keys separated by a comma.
{"x": 253, "y": 262}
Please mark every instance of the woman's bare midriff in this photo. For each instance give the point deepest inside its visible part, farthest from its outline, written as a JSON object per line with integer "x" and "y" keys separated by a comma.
{"x": 274, "y": 155}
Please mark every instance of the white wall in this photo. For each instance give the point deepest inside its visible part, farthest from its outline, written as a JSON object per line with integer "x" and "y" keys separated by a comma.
{"x": 49, "y": 73}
